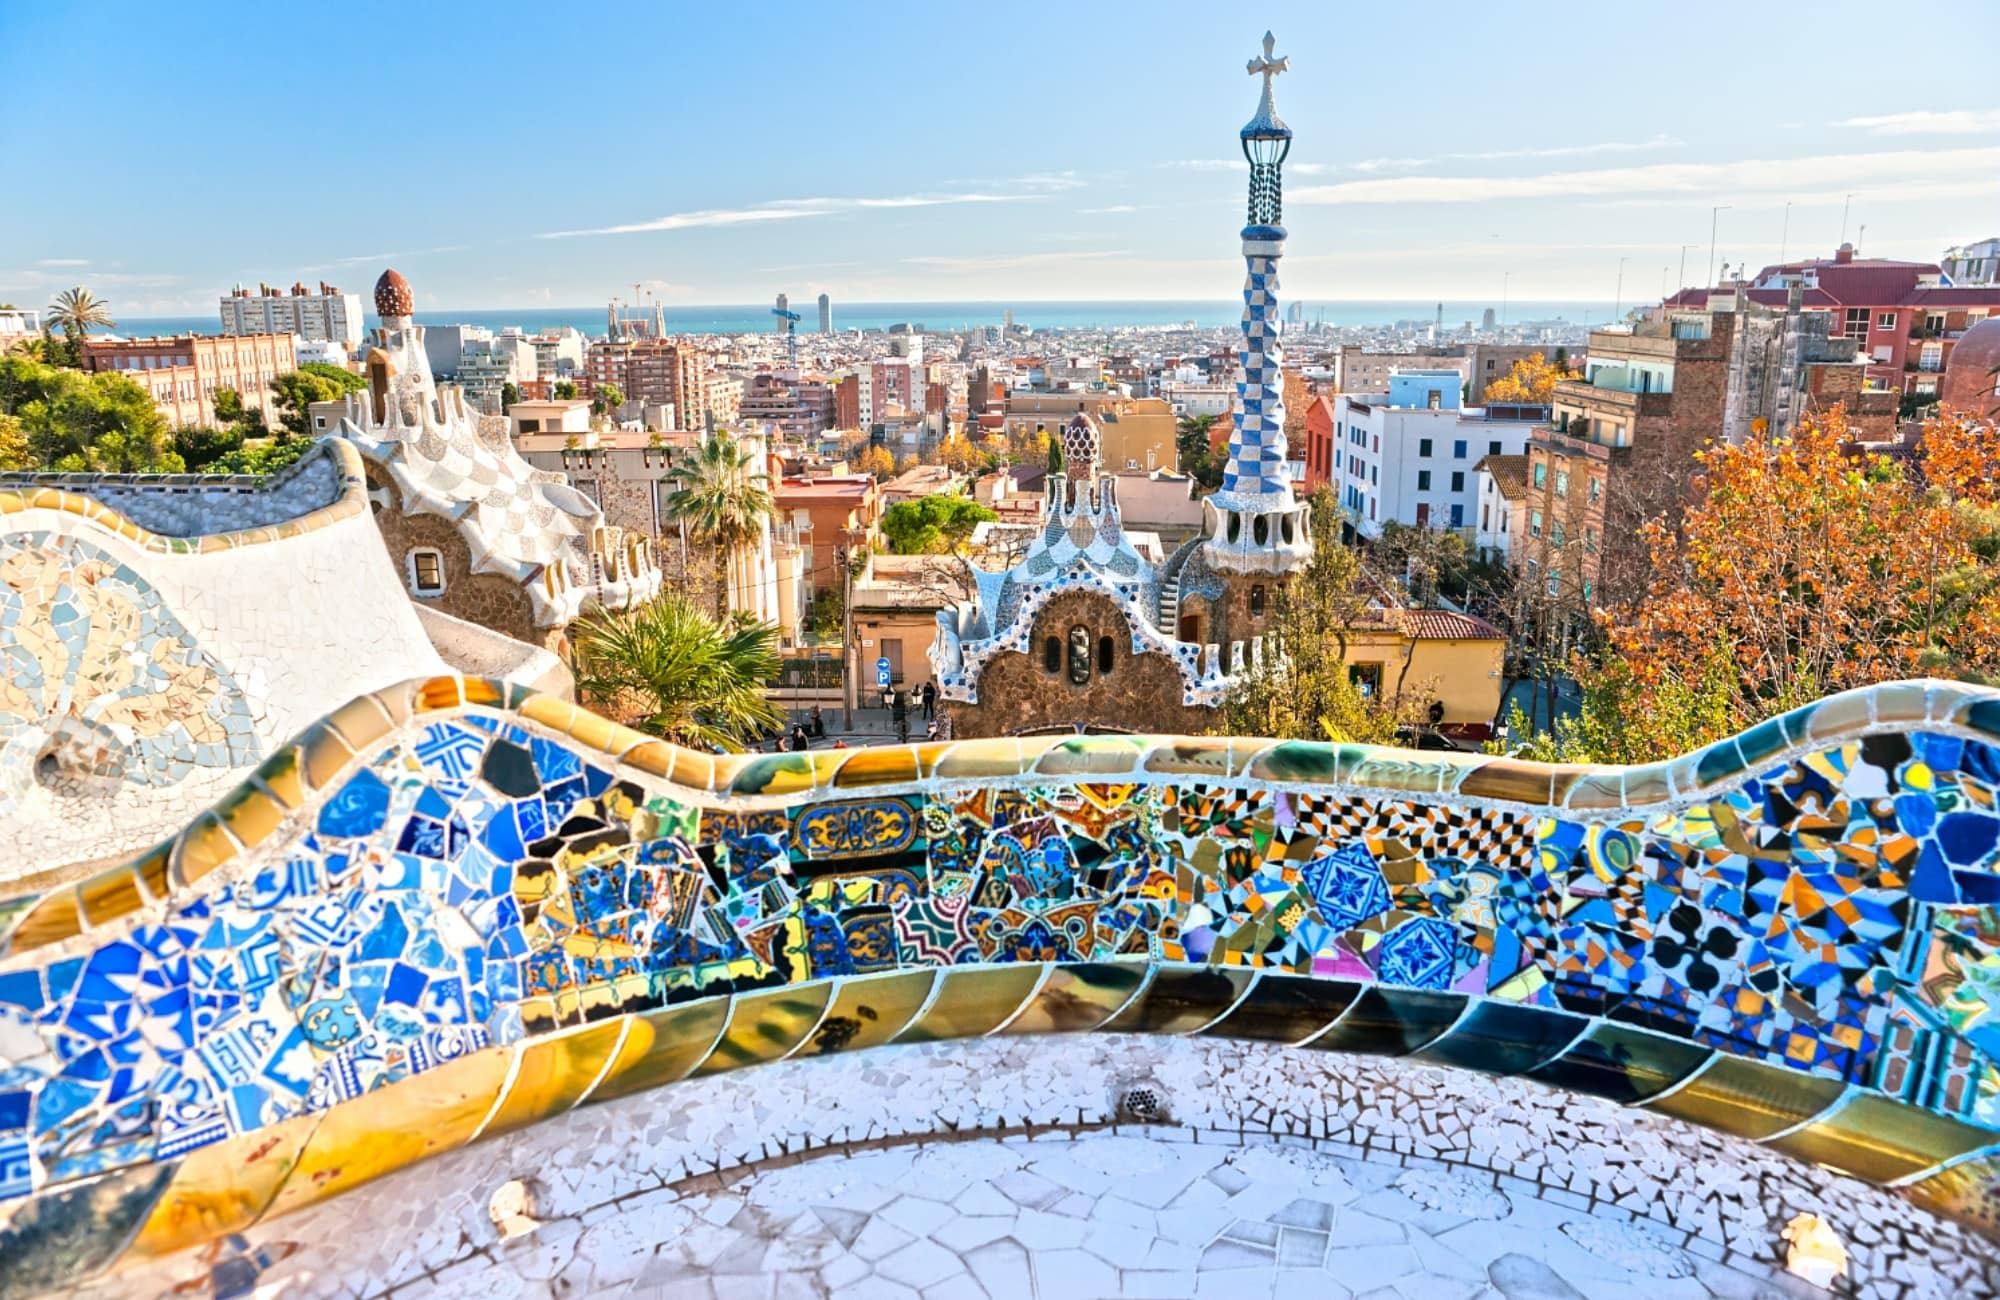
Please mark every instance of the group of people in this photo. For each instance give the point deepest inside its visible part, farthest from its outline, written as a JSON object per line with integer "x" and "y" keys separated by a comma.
{"x": 899, "y": 710}
{"x": 801, "y": 735}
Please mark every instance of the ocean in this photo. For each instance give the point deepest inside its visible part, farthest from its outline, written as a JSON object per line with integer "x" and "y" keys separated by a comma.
{"x": 947, "y": 316}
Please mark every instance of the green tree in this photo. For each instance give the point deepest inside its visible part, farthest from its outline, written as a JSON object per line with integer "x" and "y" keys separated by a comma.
{"x": 76, "y": 312}
{"x": 76, "y": 423}
{"x": 606, "y": 399}
{"x": 14, "y": 453}
{"x": 261, "y": 458}
{"x": 1305, "y": 688}
{"x": 679, "y": 673}
{"x": 315, "y": 381}
{"x": 723, "y": 497}
{"x": 199, "y": 446}
{"x": 510, "y": 393}
{"x": 932, "y": 525}
{"x": 1194, "y": 447}
{"x": 565, "y": 390}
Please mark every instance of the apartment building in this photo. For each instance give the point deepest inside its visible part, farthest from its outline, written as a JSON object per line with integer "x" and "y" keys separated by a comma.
{"x": 325, "y": 316}
{"x": 183, "y": 373}
{"x": 656, "y": 371}
{"x": 1409, "y": 456}
{"x": 1903, "y": 317}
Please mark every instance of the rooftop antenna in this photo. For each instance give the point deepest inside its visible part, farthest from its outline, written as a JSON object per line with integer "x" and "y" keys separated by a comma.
{"x": 1785, "y": 239}
{"x": 1845, "y": 204}
{"x": 1714, "y": 215}
{"x": 1859, "y": 237}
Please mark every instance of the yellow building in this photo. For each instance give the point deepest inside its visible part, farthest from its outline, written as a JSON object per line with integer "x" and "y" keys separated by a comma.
{"x": 1134, "y": 433}
{"x": 1453, "y": 661}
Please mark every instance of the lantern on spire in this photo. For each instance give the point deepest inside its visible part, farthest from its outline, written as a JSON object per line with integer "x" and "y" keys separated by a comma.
{"x": 1266, "y": 142}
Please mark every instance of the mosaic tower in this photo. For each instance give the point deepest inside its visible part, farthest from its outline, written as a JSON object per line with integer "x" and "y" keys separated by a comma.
{"x": 1255, "y": 524}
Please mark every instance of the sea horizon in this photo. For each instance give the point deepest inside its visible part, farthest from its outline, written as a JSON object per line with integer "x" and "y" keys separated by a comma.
{"x": 948, "y": 316}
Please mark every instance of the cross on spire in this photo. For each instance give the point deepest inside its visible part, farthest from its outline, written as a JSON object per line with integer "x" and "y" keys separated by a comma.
{"x": 1268, "y": 65}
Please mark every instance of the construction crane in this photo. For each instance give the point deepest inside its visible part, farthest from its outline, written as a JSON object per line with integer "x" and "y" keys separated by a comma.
{"x": 791, "y": 328}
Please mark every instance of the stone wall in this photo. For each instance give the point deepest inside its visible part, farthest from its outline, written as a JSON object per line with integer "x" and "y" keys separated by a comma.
{"x": 1017, "y": 694}
{"x": 491, "y": 600}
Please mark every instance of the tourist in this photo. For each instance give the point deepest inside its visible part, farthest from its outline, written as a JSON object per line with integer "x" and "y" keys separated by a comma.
{"x": 930, "y": 699}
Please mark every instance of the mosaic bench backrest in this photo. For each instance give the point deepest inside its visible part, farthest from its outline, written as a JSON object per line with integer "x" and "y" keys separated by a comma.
{"x": 454, "y": 908}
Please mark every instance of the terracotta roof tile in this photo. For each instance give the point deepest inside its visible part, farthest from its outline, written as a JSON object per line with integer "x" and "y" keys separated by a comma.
{"x": 1445, "y": 625}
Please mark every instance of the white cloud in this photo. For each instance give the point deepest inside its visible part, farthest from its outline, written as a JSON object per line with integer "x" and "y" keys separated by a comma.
{"x": 1116, "y": 207}
{"x": 63, "y": 261}
{"x": 1015, "y": 261}
{"x": 1204, "y": 164}
{"x": 1750, "y": 176}
{"x": 781, "y": 210}
{"x": 1063, "y": 180}
{"x": 1371, "y": 165}
{"x": 1961, "y": 121}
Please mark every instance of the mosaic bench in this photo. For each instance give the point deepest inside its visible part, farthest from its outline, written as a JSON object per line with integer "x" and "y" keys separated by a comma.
{"x": 453, "y": 908}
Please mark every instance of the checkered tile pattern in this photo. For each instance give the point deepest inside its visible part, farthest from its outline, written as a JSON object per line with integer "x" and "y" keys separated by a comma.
{"x": 1257, "y": 441}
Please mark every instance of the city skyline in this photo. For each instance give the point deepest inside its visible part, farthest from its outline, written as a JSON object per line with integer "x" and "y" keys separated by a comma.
{"x": 1065, "y": 157}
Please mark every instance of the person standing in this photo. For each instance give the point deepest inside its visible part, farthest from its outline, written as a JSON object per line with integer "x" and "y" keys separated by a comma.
{"x": 930, "y": 700}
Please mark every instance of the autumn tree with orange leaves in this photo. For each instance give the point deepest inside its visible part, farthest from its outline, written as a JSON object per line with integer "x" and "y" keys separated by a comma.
{"x": 1799, "y": 570}
{"x": 1530, "y": 381}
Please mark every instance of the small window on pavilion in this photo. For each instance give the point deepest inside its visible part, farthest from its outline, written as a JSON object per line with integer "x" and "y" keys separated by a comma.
{"x": 426, "y": 572}
{"x": 1052, "y": 655}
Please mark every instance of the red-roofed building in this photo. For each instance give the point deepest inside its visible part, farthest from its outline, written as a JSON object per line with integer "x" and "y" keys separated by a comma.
{"x": 1904, "y": 316}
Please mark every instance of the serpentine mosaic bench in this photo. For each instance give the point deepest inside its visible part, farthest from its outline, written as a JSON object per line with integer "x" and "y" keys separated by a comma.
{"x": 452, "y": 909}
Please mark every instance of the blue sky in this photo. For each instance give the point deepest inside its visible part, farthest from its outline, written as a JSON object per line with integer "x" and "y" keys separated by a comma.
{"x": 511, "y": 156}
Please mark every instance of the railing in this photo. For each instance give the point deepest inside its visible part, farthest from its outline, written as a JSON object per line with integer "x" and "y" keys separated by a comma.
{"x": 1780, "y": 937}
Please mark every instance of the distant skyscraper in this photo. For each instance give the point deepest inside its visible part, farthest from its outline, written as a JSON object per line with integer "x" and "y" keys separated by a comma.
{"x": 1486, "y": 321}
{"x": 1007, "y": 321}
{"x": 825, "y": 314}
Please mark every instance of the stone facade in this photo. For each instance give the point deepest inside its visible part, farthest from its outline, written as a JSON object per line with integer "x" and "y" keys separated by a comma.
{"x": 1020, "y": 692}
{"x": 492, "y": 514}
{"x": 488, "y": 599}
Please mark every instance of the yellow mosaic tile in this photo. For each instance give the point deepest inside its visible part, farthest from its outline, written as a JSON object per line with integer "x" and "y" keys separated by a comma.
{"x": 222, "y": 1188}
{"x": 360, "y": 1140}
{"x": 554, "y": 1074}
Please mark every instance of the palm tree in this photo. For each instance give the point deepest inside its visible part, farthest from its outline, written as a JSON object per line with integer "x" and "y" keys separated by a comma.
{"x": 75, "y": 311}
{"x": 723, "y": 499}
{"x": 697, "y": 680}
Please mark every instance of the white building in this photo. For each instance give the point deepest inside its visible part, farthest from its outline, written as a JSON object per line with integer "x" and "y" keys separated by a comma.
{"x": 559, "y": 354}
{"x": 1199, "y": 397}
{"x": 489, "y": 364}
{"x": 326, "y": 316}
{"x": 330, "y": 352}
{"x": 1973, "y": 263}
{"x": 1409, "y": 455}
{"x": 17, "y": 321}
{"x": 1503, "y": 496}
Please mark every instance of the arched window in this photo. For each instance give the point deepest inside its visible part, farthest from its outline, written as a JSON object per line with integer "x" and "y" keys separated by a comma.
{"x": 1103, "y": 655}
{"x": 1260, "y": 529}
{"x": 1257, "y": 601}
{"x": 1052, "y": 655}
{"x": 1079, "y": 655}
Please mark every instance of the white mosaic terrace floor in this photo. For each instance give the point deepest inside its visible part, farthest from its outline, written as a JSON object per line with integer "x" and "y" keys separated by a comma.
{"x": 1073, "y": 1216}
{"x": 1009, "y": 1167}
